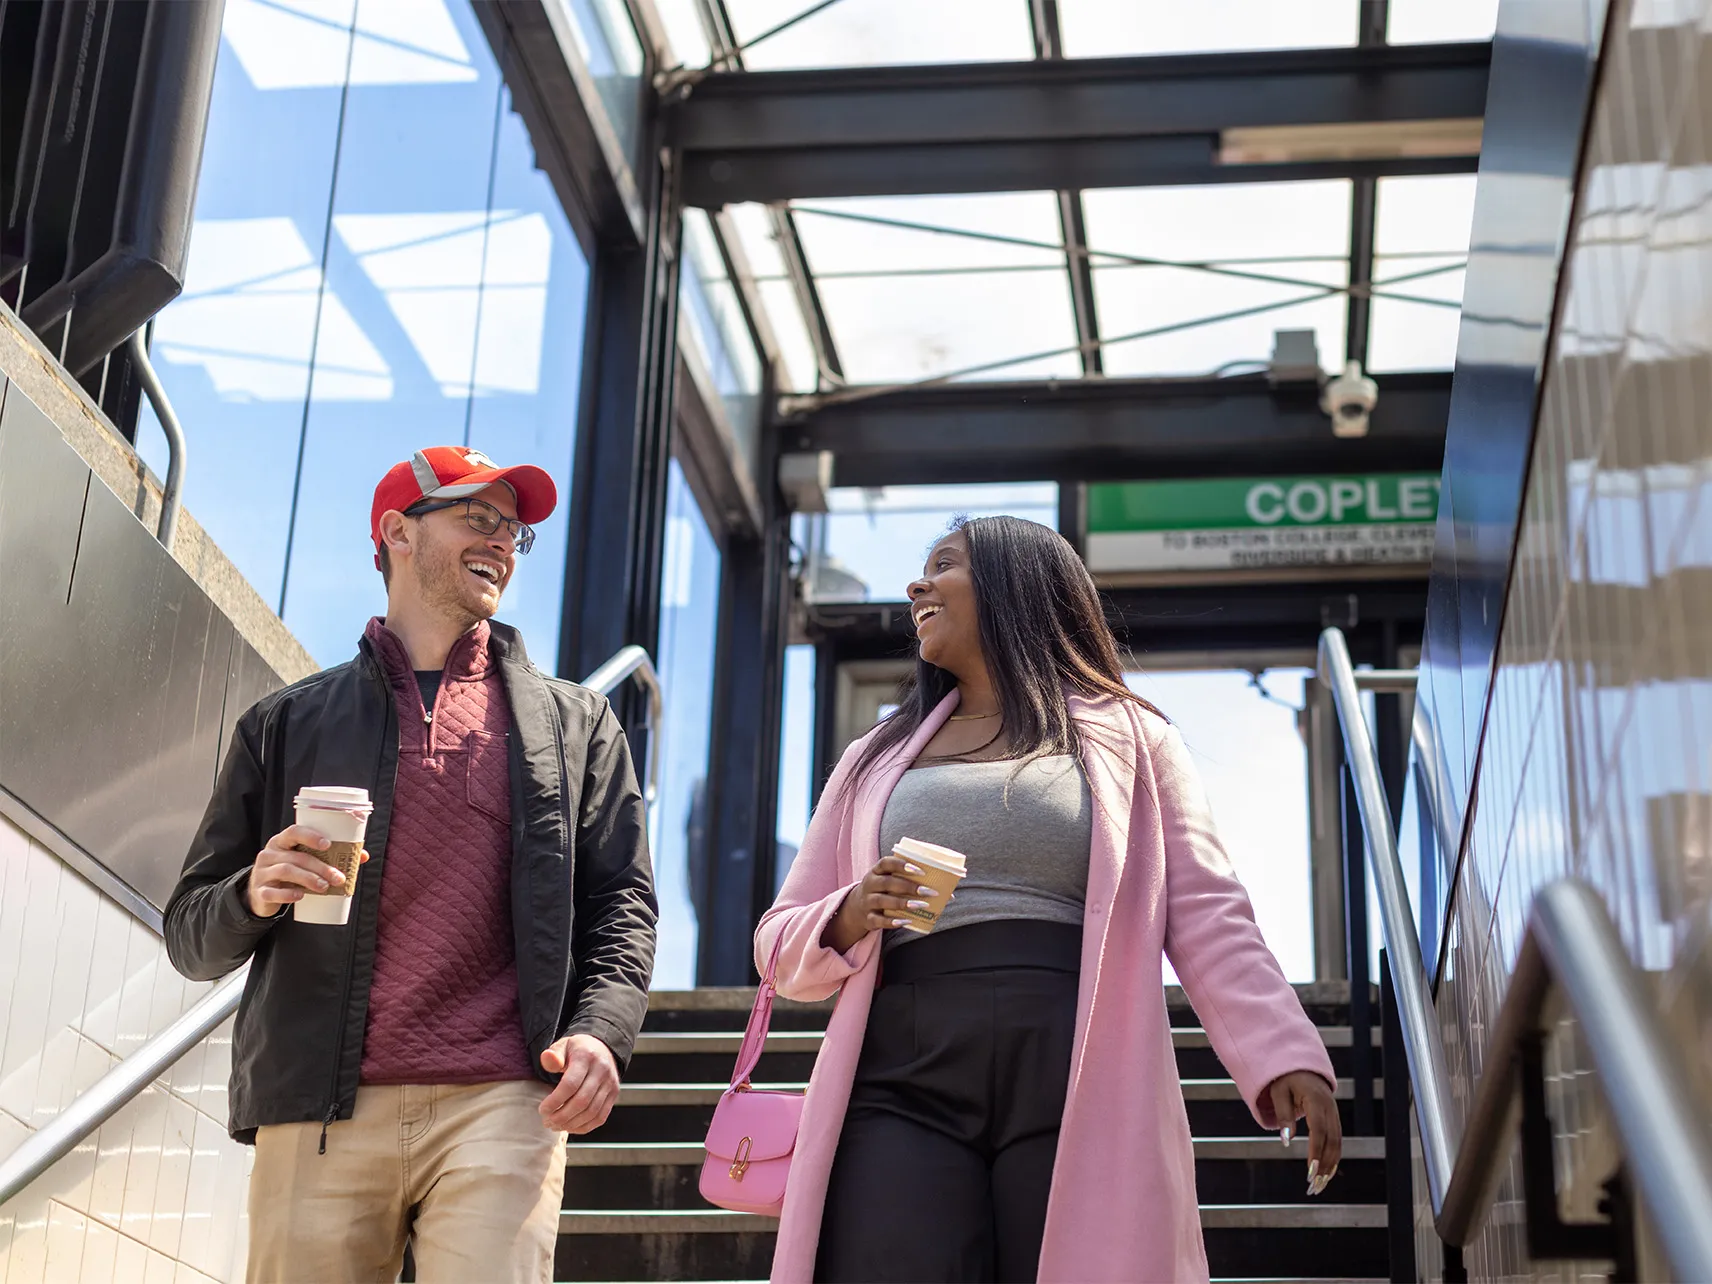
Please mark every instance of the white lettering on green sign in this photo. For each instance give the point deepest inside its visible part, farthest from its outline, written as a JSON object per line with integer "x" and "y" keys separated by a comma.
{"x": 1258, "y": 523}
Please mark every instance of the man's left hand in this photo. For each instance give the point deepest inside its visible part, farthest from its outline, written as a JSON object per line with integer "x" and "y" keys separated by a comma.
{"x": 584, "y": 1097}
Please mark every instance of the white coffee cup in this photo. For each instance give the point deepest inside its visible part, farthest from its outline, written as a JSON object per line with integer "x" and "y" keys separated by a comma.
{"x": 941, "y": 869}
{"x": 341, "y": 816}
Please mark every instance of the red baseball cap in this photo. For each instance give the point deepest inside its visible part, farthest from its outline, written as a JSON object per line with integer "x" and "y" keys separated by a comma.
{"x": 457, "y": 472}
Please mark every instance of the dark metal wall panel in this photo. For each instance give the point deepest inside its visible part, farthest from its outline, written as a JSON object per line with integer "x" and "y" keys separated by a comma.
{"x": 119, "y": 678}
{"x": 1532, "y": 154}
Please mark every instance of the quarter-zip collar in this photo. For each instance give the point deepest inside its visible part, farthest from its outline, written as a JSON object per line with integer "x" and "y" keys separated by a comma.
{"x": 469, "y": 660}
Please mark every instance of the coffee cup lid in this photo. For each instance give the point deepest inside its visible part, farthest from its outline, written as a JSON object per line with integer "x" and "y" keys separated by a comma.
{"x": 932, "y": 853}
{"x": 334, "y": 798}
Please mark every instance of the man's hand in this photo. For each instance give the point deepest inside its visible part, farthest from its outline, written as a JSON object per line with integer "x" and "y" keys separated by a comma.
{"x": 586, "y": 1094}
{"x": 286, "y": 869}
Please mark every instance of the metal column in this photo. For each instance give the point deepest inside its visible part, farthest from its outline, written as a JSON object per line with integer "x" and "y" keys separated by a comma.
{"x": 617, "y": 505}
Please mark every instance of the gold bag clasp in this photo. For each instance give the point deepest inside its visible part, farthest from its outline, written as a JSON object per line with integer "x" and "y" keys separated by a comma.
{"x": 740, "y": 1163}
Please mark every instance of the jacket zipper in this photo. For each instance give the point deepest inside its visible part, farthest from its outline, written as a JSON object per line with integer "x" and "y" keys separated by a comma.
{"x": 351, "y": 953}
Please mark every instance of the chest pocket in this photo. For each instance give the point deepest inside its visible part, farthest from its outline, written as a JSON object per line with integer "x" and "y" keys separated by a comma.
{"x": 489, "y": 761}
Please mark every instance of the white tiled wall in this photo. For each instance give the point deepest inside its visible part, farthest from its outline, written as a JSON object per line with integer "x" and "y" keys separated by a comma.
{"x": 158, "y": 1194}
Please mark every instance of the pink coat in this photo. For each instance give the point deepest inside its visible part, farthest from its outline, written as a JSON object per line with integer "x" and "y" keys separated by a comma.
{"x": 1123, "y": 1203}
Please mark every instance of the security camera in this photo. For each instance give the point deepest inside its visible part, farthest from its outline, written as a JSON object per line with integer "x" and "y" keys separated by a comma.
{"x": 1349, "y": 399}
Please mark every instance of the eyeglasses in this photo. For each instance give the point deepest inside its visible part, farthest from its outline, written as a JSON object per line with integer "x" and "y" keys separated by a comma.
{"x": 481, "y": 516}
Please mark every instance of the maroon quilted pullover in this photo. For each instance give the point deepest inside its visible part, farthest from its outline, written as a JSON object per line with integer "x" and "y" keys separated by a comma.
{"x": 443, "y": 1002}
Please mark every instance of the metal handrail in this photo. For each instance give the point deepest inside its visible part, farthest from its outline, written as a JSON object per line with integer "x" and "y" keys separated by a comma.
{"x": 1571, "y": 947}
{"x": 98, "y": 1103}
{"x": 177, "y": 448}
{"x": 47, "y": 1145}
{"x": 634, "y": 662}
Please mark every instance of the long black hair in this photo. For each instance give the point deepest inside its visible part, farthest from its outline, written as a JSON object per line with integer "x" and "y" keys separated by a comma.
{"x": 1041, "y": 629}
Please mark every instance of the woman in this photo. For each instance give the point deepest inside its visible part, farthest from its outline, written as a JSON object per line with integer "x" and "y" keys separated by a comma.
{"x": 999, "y": 1100}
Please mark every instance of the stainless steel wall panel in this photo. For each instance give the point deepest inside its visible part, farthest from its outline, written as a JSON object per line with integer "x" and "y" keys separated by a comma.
{"x": 119, "y": 679}
{"x": 1595, "y": 746}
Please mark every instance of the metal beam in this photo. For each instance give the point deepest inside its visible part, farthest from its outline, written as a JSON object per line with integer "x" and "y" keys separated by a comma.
{"x": 1058, "y": 123}
{"x": 1160, "y": 622}
{"x": 1105, "y": 429}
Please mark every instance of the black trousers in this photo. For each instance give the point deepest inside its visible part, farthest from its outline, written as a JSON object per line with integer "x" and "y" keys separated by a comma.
{"x": 945, "y": 1162}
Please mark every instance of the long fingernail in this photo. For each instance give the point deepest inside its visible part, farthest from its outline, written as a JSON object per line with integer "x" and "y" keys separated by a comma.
{"x": 1313, "y": 1170}
{"x": 1286, "y": 1134}
{"x": 899, "y": 922}
{"x": 912, "y": 869}
{"x": 917, "y": 904}
{"x": 926, "y": 891}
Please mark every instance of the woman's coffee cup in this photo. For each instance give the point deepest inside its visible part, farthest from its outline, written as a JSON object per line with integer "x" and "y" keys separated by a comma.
{"x": 941, "y": 869}
{"x": 341, "y": 816}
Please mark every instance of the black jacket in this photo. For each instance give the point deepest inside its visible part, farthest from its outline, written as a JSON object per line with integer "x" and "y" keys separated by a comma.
{"x": 582, "y": 894}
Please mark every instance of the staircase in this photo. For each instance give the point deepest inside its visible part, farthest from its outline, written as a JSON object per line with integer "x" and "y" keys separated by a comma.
{"x": 632, "y": 1210}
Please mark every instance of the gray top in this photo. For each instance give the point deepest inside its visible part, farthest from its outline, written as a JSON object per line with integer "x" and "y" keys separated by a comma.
{"x": 1027, "y": 849}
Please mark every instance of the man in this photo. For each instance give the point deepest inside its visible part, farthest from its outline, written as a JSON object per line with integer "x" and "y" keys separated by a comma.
{"x": 411, "y": 1075}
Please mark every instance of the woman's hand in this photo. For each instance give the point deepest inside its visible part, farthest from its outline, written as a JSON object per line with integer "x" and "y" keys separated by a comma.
{"x": 1303, "y": 1093}
{"x": 877, "y": 902}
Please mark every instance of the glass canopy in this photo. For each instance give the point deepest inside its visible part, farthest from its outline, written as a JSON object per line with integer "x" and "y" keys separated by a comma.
{"x": 1183, "y": 281}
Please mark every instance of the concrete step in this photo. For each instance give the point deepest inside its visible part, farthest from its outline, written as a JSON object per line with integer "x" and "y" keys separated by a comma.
{"x": 672, "y": 1153}
{"x": 696, "y": 1094}
{"x": 717, "y": 1221}
{"x": 1243, "y": 1242}
{"x": 682, "y": 1112}
{"x": 686, "y": 1056}
{"x": 666, "y": 1176}
{"x": 715, "y": 1008}
{"x": 727, "y": 1042}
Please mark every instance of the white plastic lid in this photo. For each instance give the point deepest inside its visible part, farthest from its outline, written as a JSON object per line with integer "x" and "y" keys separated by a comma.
{"x": 932, "y": 854}
{"x": 334, "y": 798}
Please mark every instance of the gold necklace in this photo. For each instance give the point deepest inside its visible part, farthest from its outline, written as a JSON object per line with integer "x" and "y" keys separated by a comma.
{"x": 973, "y": 717}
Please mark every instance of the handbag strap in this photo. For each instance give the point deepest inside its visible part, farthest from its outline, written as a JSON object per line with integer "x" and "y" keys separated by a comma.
{"x": 760, "y": 1019}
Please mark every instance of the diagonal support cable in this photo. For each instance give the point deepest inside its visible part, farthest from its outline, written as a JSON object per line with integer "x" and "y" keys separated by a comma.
{"x": 1211, "y": 267}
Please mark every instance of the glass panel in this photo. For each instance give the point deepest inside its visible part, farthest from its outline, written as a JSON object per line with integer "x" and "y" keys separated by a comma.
{"x": 234, "y": 348}
{"x": 684, "y": 32}
{"x": 796, "y": 756}
{"x": 1255, "y": 768}
{"x": 528, "y": 367}
{"x": 689, "y": 622}
{"x": 882, "y": 536}
{"x": 860, "y": 33}
{"x": 1412, "y": 22}
{"x": 1421, "y": 233}
{"x": 1273, "y": 256}
{"x": 1110, "y": 28}
{"x": 610, "y": 48}
{"x": 409, "y": 231}
{"x": 443, "y": 304}
{"x": 951, "y": 293}
{"x": 778, "y": 298}
{"x": 715, "y": 330}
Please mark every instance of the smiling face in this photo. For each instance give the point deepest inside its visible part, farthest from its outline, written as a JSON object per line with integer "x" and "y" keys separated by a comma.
{"x": 458, "y": 572}
{"x": 942, "y": 607}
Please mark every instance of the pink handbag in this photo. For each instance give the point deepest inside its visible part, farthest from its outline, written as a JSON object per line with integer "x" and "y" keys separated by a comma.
{"x": 753, "y": 1134}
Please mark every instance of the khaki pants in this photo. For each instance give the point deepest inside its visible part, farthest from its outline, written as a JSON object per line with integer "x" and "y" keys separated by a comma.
{"x": 467, "y": 1173}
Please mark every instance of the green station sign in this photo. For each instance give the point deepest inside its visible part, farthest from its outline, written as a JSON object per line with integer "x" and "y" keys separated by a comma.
{"x": 1262, "y": 523}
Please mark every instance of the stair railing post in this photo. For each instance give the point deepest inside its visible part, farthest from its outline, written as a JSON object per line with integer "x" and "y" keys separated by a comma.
{"x": 1399, "y": 1154}
{"x": 1355, "y": 940}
